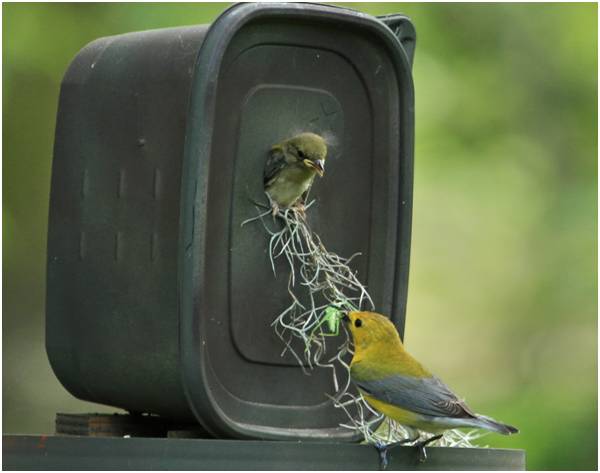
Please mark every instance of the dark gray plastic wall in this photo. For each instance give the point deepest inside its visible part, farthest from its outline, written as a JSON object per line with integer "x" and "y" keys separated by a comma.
{"x": 157, "y": 300}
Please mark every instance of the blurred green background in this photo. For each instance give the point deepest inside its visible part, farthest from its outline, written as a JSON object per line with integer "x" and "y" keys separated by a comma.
{"x": 503, "y": 286}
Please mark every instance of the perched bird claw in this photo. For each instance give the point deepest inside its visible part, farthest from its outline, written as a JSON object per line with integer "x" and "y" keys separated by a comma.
{"x": 300, "y": 207}
{"x": 421, "y": 446}
{"x": 422, "y": 454}
{"x": 382, "y": 450}
{"x": 274, "y": 209}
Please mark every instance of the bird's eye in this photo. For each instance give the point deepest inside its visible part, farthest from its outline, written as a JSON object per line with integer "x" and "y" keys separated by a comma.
{"x": 358, "y": 323}
{"x": 301, "y": 154}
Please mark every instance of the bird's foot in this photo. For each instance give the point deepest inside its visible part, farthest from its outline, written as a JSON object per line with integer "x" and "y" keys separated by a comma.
{"x": 272, "y": 205}
{"x": 300, "y": 208}
{"x": 422, "y": 444}
{"x": 274, "y": 209}
{"x": 383, "y": 448}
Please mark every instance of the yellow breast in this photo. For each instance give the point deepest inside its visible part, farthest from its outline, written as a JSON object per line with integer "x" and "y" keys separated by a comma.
{"x": 404, "y": 417}
{"x": 399, "y": 415}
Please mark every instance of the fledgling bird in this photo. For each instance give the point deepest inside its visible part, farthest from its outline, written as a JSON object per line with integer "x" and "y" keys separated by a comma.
{"x": 397, "y": 385}
{"x": 291, "y": 168}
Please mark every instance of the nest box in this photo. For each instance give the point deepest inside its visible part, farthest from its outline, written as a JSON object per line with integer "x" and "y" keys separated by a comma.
{"x": 157, "y": 299}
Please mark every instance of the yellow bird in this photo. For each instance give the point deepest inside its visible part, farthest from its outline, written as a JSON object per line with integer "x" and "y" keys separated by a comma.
{"x": 291, "y": 168}
{"x": 397, "y": 385}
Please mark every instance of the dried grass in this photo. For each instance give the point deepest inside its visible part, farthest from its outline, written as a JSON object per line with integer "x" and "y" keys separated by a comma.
{"x": 319, "y": 279}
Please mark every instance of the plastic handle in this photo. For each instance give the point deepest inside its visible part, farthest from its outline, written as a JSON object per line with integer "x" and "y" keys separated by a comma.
{"x": 404, "y": 30}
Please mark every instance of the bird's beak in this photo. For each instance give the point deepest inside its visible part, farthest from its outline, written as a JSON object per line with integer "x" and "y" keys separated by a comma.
{"x": 345, "y": 318}
{"x": 318, "y": 165}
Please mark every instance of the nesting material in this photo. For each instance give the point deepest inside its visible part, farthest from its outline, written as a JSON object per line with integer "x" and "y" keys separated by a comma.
{"x": 318, "y": 281}
{"x": 377, "y": 429}
{"x": 321, "y": 286}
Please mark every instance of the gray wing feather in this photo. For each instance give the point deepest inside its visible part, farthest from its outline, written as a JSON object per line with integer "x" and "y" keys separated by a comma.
{"x": 426, "y": 396}
{"x": 275, "y": 163}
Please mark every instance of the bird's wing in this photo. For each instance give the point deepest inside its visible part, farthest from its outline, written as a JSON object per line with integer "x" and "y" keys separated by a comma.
{"x": 275, "y": 163}
{"x": 426, "y": 396}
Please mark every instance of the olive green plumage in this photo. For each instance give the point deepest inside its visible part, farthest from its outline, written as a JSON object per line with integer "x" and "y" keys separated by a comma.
{"x": 291, "y": 168}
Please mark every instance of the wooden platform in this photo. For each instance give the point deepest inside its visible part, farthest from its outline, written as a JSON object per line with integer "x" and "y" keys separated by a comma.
{"x": 143, "y": 442}
{"x": 121, "y": 425}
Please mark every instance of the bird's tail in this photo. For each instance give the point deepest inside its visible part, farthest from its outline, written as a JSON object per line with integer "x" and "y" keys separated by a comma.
{"x": 488, "y": 423}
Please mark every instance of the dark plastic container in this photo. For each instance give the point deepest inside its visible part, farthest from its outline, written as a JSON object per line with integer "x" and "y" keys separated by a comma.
{"x": 157, "y": 300}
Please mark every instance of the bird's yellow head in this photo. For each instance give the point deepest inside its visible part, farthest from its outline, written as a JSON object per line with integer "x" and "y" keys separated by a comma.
{"x": 371, "y": 329}
{"x": 306, "y": 148}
